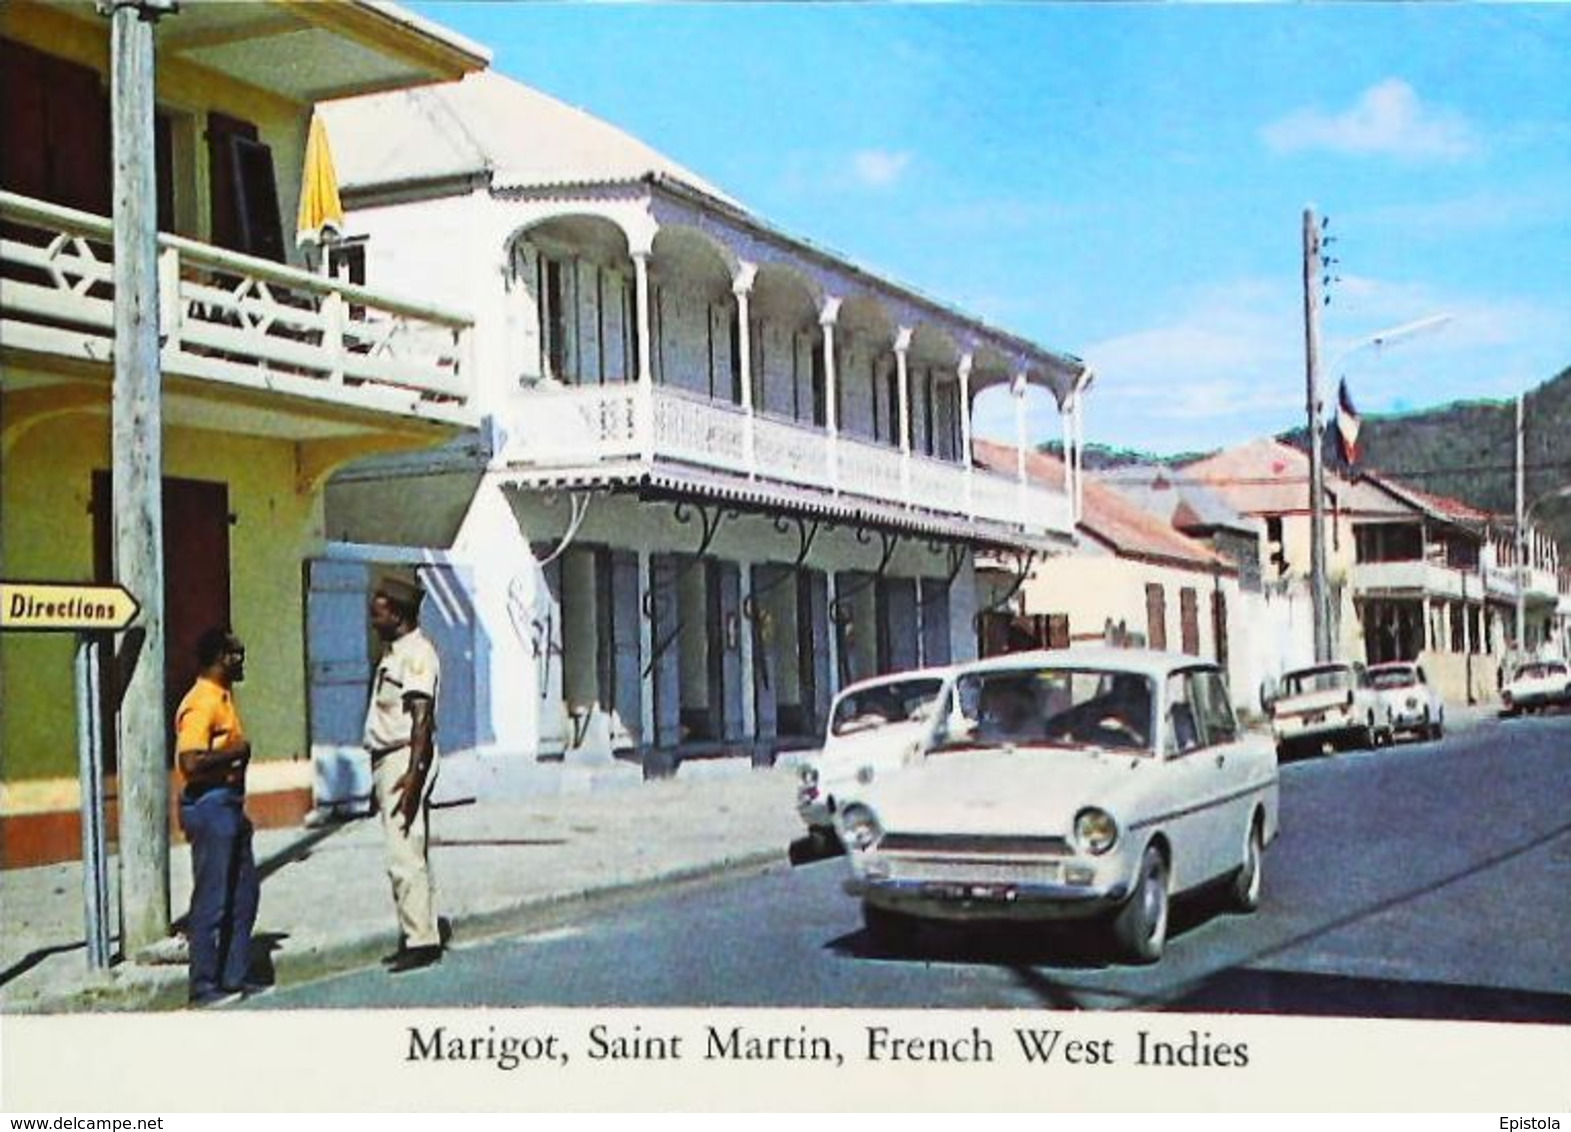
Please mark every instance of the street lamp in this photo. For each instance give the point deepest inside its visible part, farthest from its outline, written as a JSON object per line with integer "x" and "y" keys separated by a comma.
{"x": 1317, "y": 495}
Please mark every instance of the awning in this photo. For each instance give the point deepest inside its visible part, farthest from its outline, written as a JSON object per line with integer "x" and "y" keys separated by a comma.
{"x": 768, "y": 497}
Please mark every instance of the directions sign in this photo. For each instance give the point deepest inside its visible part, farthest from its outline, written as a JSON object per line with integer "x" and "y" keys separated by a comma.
{"x": 44, "y": 607}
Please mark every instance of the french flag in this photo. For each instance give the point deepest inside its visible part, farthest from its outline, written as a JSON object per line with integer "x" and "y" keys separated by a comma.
{"x": 1347, "y": 425}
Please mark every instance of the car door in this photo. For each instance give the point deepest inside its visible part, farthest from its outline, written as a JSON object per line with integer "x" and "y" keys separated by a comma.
{"x": 1194, "y": 776}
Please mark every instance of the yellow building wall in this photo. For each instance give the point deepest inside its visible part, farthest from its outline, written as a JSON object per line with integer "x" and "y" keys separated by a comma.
{"x": 1093, "y": 588}
{"x": 48, "y": 534}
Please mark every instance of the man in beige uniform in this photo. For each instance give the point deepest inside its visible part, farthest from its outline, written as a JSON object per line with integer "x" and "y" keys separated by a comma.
{"x": 400, "y": 735}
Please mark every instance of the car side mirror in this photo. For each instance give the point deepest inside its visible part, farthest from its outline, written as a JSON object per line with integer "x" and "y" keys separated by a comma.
{"x": 1268, "y": 694}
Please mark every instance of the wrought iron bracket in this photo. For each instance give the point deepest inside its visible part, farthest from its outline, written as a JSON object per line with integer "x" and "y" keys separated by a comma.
{"x": 806, "y": 532}
{"x": 578, "y": 502}
{"x": 710, "y": 521}
{"x": 1024, "y": 560}
{"x": 839, "y": 611}
{"x": 956, "y": 553}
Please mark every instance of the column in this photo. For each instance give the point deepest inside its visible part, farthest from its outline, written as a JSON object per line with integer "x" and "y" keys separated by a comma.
{"x": 903, "y": 388}
{"x": 826, "y": 320}
{"x": 1066, "y": 418}
{"x": 742, "y": 288}
{"x": 1017, "y": 389}
{"x": 646, "y": 382}
{"x": 963, "y": 372}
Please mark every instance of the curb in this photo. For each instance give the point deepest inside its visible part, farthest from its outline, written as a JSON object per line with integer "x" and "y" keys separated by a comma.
{"x": 162, "y": 988}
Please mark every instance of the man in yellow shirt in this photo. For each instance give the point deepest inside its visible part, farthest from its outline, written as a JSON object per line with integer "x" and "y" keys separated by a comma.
{"x": 212, "y": 752}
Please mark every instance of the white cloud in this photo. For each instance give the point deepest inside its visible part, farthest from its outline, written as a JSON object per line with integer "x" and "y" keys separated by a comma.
{"x": 879, "y": 168}
{"x": 1388, "y": 120}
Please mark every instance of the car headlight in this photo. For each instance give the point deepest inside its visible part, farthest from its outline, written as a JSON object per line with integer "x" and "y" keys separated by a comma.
{"x": 859, "y": 828}
{"x": 1095, "y": 831}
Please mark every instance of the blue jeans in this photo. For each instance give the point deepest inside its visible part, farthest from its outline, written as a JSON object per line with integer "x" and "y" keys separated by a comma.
{"x": 225, "y": 890}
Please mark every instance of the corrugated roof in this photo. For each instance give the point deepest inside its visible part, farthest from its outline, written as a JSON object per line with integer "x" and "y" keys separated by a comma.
{"x": 488, "y": 123}
{"x": 1183, "y": 503}
{"x": 1107, "y": 514}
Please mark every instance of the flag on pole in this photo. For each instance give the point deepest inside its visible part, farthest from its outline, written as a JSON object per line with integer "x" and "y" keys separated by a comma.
{"x": 1347, "y": 425}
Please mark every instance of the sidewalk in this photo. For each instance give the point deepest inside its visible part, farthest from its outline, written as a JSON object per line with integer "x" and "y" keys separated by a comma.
{"x": 326, "y": 904}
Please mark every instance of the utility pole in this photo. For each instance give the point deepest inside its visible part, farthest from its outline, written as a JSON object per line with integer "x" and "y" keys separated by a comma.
{"x": 137, "y": 474}
{"x": 1317, "y": 483}
{"x": 1521, "y": 534}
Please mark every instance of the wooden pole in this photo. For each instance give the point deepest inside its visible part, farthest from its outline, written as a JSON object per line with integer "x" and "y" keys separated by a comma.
{"x": 1317, "y": 483}
{"x": 137, "y": 475}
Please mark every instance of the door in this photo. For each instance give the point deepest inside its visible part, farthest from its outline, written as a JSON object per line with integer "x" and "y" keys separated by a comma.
{"x": 338, "y": 667}
{"x": 813, "y": 631}
{"x": 766, "y": 692}
{"x": 897, "y": 629}
{"x": 627, "y": 685}
{"x": 666, "y": 623}
{"x": 935, "y": 622}
{"x": 726, "y": 585}
{"x": 196, "y": 577}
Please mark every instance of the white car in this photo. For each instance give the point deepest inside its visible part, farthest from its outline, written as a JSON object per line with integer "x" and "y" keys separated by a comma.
{"x": 1326, "y": 703}
{"x": 1411, "y": 702}
{"x": 875, "y": 726}
{"x": 1535, "y": 685}
{"x": 1072, "y": 783}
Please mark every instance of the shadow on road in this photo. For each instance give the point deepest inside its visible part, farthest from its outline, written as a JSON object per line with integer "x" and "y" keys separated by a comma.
{"x": 1343, "y": 996}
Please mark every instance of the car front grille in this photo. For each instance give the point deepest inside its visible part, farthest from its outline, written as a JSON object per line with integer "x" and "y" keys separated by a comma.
{"x": 975, "y": 844}
{"x": 943, "y": 869}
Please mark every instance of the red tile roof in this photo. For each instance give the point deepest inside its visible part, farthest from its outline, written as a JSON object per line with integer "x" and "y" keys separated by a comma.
{"x": 1109, "y": 515}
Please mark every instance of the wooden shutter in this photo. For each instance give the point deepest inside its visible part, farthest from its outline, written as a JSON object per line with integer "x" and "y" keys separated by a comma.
{"x": 1219, "y": 625}
{"x": 1058, "y": 630}
{"x": 54, "y": 119}
{"x": 1156, "y": 616}
{"x": 1189, "y": 620}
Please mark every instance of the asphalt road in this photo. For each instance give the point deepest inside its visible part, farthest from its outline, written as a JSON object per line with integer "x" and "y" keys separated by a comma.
{"x": 1431, "y": 880}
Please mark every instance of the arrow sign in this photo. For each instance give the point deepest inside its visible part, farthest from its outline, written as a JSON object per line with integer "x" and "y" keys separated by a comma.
{"x": 53, "y": 607}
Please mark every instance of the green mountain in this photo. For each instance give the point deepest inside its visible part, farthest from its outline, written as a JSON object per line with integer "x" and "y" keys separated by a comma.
{"x": 1465, "y": 450}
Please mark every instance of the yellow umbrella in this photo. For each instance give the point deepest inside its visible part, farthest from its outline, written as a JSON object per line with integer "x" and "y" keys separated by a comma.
{"x": 321, "y": 217}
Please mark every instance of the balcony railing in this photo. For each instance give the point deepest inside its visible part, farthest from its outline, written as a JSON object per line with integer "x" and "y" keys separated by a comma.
{"x": 231, "y": 318}
{"x": 579, "y": 427}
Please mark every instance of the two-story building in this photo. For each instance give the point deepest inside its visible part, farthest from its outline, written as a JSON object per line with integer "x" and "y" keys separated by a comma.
{"x": 724, "y": 470}
{"x": 272, "y": 375}
{"x": 1133, "y": 580}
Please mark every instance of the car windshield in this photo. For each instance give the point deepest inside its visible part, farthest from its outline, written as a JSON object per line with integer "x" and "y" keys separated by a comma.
{"x": 1539, "y": 671}
{"x": 1393, "y": 677}
{"x": 900, "y": 701}
{"x": 1053, "y": 706}
{"x": 1316, "y": 680}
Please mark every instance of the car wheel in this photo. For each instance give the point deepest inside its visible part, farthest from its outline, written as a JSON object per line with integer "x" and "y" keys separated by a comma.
{"x": 1438, "y": 731}
{"x": 1244, "y": 893}
{"x": 1366, "y": 738}
{"x": 891, "y": 931}
{"x": 1286, "y": 752}
{"x": 1140, "y": 928}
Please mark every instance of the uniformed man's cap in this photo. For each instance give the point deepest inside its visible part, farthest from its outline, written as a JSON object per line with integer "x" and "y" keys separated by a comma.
{"x": 400, "y": 591}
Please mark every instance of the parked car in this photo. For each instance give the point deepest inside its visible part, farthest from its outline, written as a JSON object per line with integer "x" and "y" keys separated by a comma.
{"x": 1326, "y": 703}
{"x": 1075, "y": 783}
{"x": 1535, "y": 685}
{"x": 1410, "y": 700}
{"x": 875, "y": 726}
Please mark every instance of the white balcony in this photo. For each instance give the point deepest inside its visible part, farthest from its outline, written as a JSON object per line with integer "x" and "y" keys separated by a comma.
{"x": 232, "y": 319}
{"x": 618, "y": 426}
{"x": 1417, "y": 578}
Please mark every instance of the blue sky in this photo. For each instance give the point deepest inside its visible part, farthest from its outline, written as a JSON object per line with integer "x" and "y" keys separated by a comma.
{"x": 1126, "y": 182}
